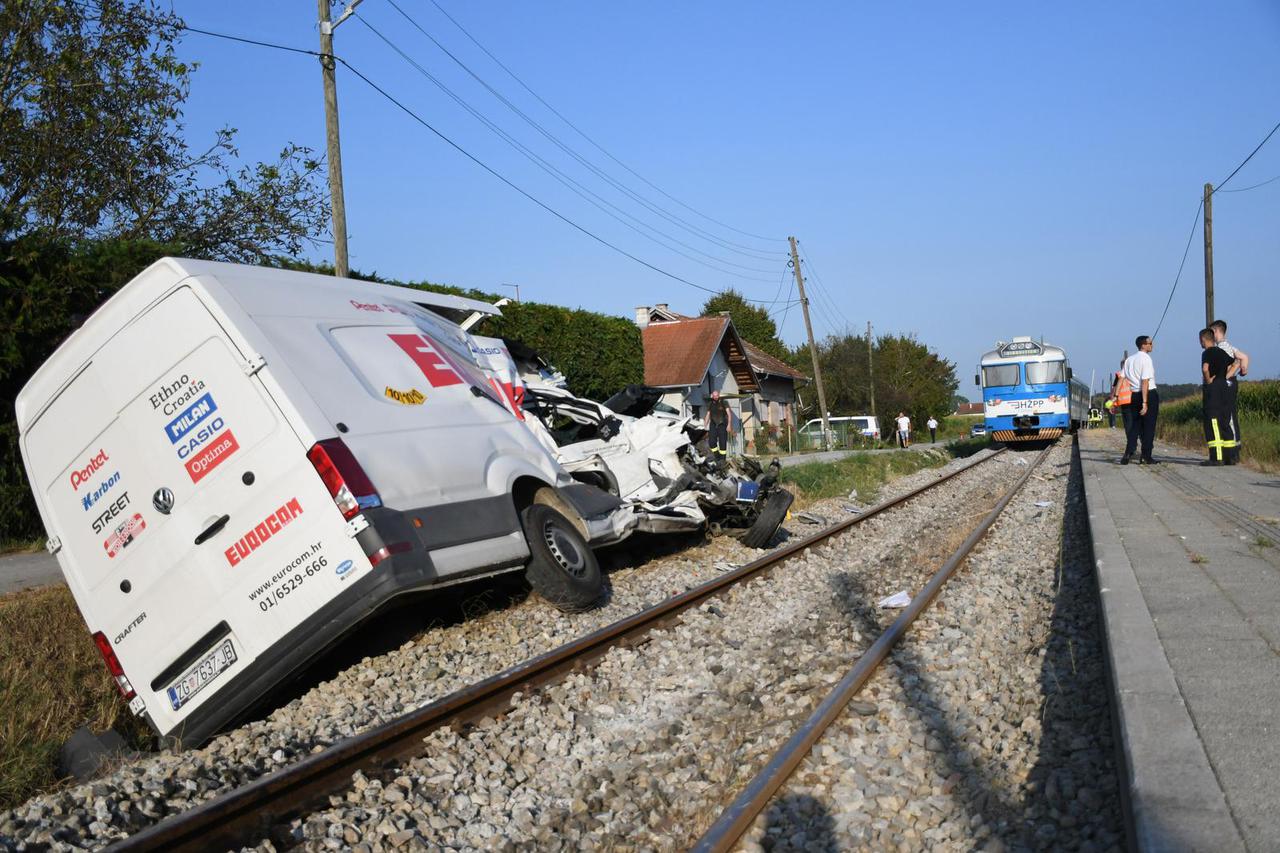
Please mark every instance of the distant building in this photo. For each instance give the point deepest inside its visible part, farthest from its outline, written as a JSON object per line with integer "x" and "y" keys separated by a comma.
{"x": 689, "y": 357}
{"x": 969, "y": 409}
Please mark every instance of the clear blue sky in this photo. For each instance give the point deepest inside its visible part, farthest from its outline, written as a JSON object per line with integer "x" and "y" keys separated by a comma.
{"x": 961, "y": 172}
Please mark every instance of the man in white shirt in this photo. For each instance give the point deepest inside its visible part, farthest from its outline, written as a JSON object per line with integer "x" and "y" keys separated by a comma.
{"x": 933, "y": 429}
{"x": 904, "y": 430}
{"x": 1140, "y": 371}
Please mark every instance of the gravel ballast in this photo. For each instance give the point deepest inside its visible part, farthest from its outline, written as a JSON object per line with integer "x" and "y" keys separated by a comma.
{"x": 988, "y": 730}
{"x": 370, "y": 692}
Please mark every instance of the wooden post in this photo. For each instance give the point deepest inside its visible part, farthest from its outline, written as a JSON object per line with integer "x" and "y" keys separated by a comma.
{"x": 327, "y": 68}
{"x": 813, "y": 349}
{"x": 871, "y": 374}
{"x": 1208, "y": 255}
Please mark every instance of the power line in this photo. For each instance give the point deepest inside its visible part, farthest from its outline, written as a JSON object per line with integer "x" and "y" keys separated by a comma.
{"x": 672, "y": 218}
{"x": 1246, "y": 189}
{"x": 1223, "y": 182}
{"x": 822, "y": 286}
{"x": 1177, "y": 277}
{"x": 557, "y": 214}
{"x": 573, "y": 185}
{"x": 583, "y": 134}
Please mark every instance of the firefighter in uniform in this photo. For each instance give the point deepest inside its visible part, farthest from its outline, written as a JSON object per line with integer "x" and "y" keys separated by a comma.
{"x": 1217, "y": 368}
{"x": 719, "y": 428}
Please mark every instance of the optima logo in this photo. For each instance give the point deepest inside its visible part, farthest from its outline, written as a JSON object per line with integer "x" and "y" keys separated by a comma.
{"x": 85, "y": 474}
{"x": 268, "y": 527}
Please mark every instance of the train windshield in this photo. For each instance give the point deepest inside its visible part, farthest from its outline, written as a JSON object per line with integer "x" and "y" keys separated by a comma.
{"x": 1046, "y": 372}
{"x": 1000, "y": 374}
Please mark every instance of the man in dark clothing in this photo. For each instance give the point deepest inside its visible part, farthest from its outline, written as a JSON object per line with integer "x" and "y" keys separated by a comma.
{"x": 719, "y": 427}
{"x": 1217, "y": 368}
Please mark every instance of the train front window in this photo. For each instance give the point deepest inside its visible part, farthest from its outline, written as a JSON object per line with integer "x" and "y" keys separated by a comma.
{"x": 1046, "y": 372}
{"x": 1000, "y": 374}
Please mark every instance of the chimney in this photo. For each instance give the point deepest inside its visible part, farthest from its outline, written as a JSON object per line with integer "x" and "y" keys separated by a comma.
{"x": 662, "y": 306}
{"x": 642, "y": 315}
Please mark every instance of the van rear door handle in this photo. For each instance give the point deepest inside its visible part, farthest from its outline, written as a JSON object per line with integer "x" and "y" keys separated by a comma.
{"x": 209, "y": 531}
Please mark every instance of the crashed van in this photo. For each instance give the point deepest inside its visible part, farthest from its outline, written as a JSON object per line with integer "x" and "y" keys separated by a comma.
{"x": 237, "y": 465}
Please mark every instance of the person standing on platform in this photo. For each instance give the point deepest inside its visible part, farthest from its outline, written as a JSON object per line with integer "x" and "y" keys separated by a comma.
{"x": 719, "y": 427}
{"x": 1120, "y": 396}
{"x": 1233, "y": 384}
{"x": 1217, "y": 368}
{"x": 1144, "y": 405}
{"x": 933, "y": 429}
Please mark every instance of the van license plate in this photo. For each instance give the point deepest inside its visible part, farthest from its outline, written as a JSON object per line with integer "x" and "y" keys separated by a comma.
{"x": 213, "y": 665}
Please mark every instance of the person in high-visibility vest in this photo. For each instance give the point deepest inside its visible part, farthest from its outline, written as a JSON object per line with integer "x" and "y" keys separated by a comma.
{"x": 1121, "y": 394}
{"x": 1111, "y": 414}
{"x": 1218, "y": 368}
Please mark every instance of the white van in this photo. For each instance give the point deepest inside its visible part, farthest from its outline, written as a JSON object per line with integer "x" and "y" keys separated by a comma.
{"x": 236, "y": 465}
{"x": 844, "y": 426}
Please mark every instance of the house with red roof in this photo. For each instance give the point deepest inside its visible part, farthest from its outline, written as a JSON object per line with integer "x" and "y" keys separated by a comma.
{"x": 689, "y": 357}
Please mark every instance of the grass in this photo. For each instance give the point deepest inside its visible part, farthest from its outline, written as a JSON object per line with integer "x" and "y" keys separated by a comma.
{"x": 866, "y": 472}
{"x": 1259, "y": 409}
{"x": 52, "y": 680}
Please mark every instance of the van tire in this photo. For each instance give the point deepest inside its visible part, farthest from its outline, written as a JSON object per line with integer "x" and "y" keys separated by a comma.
{"x": 769, "y": 520}
{"x": 562, "y": 569}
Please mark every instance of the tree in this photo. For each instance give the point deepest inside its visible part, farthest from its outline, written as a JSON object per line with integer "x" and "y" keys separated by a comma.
{"x": 752, "y": 322}
{"x": 908, "y": 377}
{"x": 91, "y": 117}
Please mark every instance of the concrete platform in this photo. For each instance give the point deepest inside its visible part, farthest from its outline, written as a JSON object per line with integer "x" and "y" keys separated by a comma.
{"x": 1188, "y": 565}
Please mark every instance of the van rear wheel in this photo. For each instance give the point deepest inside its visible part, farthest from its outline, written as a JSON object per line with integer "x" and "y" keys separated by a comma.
{"x": 562, "y": 569}
{"x": 769, "y": 520}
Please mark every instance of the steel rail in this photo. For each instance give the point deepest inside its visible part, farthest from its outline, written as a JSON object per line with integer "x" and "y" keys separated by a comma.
{"x": 248, "y": 813}
{"x": 737, "y": 818}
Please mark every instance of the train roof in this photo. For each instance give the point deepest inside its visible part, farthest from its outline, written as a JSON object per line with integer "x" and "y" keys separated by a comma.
{"x": 1023, "y": 348}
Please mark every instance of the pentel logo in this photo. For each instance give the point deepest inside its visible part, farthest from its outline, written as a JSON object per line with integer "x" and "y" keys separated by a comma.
{"x": 85, "y": 474}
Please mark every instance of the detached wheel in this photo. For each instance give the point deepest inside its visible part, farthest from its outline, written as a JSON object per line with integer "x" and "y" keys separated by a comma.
{"x": 769, "y": 520}
{"x": 562, "y": 569}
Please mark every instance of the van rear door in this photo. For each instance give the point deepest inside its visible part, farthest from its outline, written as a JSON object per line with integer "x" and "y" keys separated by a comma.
{"x": 195, "y": 532}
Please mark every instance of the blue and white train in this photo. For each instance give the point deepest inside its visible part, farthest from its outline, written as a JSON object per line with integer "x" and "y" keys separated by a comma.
{"x": 1028, "y": 392}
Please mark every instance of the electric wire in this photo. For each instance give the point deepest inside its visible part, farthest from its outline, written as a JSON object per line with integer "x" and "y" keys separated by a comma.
{"x": 1177, "y": 277}
{"x": 602, "y": 204}
{"x": 746, "y": 251}
{"x": 1224, "y": 181}
{"x": 583, "y": 134}
{"x": 486, "y": 167}
{"x": 1253, "y": 187}
{"x": 808, "y": 259}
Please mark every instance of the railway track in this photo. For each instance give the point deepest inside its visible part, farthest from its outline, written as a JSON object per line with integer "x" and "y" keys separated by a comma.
{"x": 256, "y": 811}
{"x": 755, "y": 798}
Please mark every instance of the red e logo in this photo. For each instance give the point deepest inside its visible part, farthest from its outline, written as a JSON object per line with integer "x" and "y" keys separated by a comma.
{"x": 429, "y": 361}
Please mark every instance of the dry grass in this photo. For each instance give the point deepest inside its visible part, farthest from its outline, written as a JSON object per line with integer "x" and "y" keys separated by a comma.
{"x": 52, "y": 680}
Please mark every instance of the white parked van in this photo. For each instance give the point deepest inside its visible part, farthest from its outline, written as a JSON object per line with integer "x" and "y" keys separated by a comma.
{"x": 235, "y": 465}
{"x": 843, "y": 427}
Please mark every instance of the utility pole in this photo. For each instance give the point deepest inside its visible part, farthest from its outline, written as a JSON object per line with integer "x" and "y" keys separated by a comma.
{"x": 327, "y": 68}
{"x": 871, "y": 375}
{"x": 813, "y": 350}
{"x": 1208, "y": 254}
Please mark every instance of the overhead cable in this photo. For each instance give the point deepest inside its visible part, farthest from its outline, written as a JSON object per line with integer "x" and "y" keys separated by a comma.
{"x": 746, "y": 251}
{"x": 597, "y": 145}
{"x": 1177, "y": 277}
{"x": 417, "y": 118}
{"x": 566, "y": 180}
{"x": 1223, "y": 182}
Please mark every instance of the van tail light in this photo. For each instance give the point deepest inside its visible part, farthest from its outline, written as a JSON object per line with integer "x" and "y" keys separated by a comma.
{"x": 113, "y": 664}
{"x": 346, "y": 481}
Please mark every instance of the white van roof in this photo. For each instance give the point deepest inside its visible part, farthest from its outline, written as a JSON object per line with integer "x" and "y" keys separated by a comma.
{"x": 260, "y": 291}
